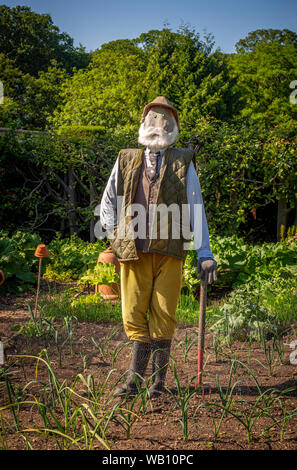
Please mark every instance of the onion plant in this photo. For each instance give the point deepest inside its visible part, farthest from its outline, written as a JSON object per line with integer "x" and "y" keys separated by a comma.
{"x": 67, "y": 417}
{"x": 225, "y": 397}
{"x": 187, "y": 343}
{"x": 182, "y": 399}
{"x": 217, "y": 346}
{"x": 127, "y": 414}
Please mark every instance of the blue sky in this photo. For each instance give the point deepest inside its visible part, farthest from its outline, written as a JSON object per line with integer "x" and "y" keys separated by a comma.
{"x": 95, "y": 22}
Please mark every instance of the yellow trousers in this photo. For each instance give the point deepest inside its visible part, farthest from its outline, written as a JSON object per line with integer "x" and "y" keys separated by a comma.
{"x": 150, "y": 289}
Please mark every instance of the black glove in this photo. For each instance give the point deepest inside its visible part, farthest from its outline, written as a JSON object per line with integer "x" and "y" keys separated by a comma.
{"x": 207, "y": 270}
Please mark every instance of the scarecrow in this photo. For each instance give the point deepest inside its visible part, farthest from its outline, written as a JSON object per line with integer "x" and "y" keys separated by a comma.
{"x": 158, "y": 175}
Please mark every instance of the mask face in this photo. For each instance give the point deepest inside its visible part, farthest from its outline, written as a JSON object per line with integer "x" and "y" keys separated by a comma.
{"x": 161, "y": 117}
{"x": 159, "y": 129}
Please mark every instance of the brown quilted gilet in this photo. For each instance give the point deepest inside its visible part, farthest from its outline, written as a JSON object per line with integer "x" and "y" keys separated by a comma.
{"x": 169, "y": 188}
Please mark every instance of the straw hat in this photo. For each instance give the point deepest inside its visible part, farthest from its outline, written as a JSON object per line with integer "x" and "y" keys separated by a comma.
{"x": 160, "y": 101}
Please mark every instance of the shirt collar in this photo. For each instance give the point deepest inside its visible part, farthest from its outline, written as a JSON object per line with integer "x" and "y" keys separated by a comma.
{"x": 162, "y": 151}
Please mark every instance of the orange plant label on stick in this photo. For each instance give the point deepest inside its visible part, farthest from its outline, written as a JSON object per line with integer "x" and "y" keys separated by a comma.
{"x": 40, "y": 252}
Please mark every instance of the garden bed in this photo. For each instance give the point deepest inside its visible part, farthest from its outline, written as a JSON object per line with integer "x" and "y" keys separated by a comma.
{"x": 252, "y": 404}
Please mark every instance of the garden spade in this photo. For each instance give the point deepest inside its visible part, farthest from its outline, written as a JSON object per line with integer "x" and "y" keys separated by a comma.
{"x": 201, "y": 330}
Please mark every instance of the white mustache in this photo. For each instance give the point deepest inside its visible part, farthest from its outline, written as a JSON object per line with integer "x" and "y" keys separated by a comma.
{"x": 155, "y": 131}
{"x": 157, "y": 137}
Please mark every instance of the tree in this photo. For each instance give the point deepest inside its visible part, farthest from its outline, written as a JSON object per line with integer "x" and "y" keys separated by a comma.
{"x": 35, "y": 59}
{"x": 264, "y": 67}
{"x": 184, "y": 68}
{"x": 283, "y": 37}
{"x": 110, "y": 92}
{"x": 43, "y": 94}
{"x": 29, "y": 100}
{"x": 14, "y": 87}
{"x": 32, "y": 41}
{"x": 125, "y": 75}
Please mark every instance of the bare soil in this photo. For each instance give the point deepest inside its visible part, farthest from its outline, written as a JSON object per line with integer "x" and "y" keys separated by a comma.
{"x": 159, "y": 428}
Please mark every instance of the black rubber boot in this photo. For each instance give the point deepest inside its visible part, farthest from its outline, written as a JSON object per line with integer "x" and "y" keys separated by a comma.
{"x": 140, "y": 357}
{"x": 160, "y": 362}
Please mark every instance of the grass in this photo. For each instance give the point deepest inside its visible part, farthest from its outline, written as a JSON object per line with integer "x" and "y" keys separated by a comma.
{"x": 243, "y": 314}
{"x": 187, "y": 311}
{"x": 90, "y": 308}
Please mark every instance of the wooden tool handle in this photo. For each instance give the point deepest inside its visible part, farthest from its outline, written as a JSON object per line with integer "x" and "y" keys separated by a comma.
{"x": 201, "y": 331}
{"x": 203, "y": 302}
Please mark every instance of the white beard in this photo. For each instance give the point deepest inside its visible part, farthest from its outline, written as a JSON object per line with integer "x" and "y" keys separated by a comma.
{"x": 156, "y": 138}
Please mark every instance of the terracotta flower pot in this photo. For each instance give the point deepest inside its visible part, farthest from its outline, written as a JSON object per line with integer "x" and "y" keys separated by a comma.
{"x": 41, "y": 251}
{"x": 112, "y": 291}
{"x": 254, "y": 213}
{"x": 2, "y": 278}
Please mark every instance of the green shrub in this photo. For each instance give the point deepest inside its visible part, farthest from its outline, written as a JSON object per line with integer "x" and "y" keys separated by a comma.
{"x": 71, "y": 257}
{"x": 102, "y": 273}
{"x": 17, "y": 260}
{"x": 253, "y": 311}
{"x": 240, "y": 263}
{"x": 280, "y": 297}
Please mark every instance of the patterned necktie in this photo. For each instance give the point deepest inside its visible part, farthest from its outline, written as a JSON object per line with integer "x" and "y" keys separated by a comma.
{"x": 152, "y": 170}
